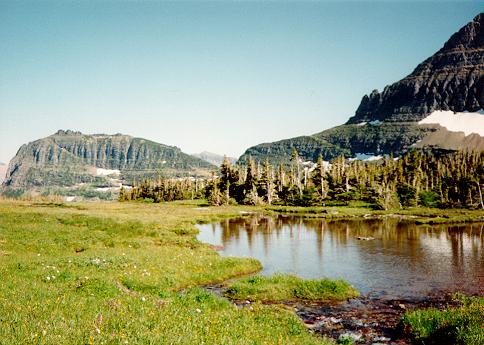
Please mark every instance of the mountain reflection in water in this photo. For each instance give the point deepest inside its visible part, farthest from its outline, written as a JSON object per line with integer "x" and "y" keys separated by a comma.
{"x": 402, "y": 259}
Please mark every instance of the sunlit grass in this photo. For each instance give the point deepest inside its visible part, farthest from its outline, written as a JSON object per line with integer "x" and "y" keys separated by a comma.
{"x": 290, "y": 288}
{"x": 124, "y": 273}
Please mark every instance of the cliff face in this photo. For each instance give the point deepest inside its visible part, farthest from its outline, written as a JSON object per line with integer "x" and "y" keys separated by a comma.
{"x": 74, "y": 156}
{"x": 451, "y": 79}
{"x": 387, "y": 122}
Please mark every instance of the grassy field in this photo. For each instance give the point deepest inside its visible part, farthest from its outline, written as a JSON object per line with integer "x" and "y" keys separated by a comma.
{"x": 124, "y": 273}
{"x": 130, "y": 273}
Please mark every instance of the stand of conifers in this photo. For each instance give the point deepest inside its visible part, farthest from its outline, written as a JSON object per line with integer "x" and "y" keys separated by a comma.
{"x": 417, "y": 178}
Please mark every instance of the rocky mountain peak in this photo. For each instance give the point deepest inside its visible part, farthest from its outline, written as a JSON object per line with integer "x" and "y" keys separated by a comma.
{"x": 470, "y": 36}
{"x": 67, "y": 132}
{"x": 389, "y": 122}
{"x": 451, "y": 79}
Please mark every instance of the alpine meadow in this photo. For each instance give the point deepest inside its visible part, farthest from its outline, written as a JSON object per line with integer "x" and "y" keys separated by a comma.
{"x": 313, "y": 214}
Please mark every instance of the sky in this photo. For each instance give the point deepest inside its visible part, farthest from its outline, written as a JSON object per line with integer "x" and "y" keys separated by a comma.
{"x": 215, "y": 76}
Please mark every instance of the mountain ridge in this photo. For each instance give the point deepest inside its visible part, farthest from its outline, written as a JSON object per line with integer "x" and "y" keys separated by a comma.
{"x": 450, "y": 79}
{"x": 73, "y": 155}
{"x": 388, "y": 122}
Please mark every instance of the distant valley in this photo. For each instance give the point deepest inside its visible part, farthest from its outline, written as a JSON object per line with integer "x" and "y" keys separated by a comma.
{"x": 213, "y": 158}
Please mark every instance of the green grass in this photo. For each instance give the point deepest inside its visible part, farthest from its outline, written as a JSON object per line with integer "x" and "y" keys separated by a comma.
{"x": 463, "y": 325}
{"x": 280, "y": 288}
{"x": 112, "y": 273}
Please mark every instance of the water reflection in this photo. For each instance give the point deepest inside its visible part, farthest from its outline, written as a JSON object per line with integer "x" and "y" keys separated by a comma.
{"x": 403, "y": 259}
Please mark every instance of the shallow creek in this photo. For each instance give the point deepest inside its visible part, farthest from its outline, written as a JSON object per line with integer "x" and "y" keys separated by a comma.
{"x": 395, "y": 265}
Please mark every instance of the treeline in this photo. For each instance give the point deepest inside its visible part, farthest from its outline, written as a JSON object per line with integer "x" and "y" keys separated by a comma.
{"x": 164, "y": 189}
{"x": 416, "y": 179}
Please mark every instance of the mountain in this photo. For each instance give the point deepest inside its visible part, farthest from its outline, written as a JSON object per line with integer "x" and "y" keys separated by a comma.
{"x": 451, "y": 79}
{"x": 69, "y": 159}
{"x": 3, "y": 171}
{"x": 412, "y": 112}
{"x": 213, "y": 158}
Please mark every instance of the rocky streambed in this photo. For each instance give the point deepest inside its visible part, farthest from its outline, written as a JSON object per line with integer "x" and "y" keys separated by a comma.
{"x": 363, "y": 320}
{"x": 366, "y": 320}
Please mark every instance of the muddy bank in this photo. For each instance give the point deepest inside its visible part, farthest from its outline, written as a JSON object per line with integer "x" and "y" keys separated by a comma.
{"x": 366, "y": 320}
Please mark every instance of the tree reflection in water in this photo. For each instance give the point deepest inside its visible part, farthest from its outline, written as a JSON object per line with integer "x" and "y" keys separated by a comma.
{"x": 403, "y": 259}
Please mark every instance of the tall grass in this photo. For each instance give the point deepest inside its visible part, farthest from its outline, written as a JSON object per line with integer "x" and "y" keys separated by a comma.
{"x": 463, "y": 325}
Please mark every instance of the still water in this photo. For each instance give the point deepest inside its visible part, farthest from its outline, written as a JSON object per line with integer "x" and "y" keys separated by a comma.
{"x": 401, "y": 260}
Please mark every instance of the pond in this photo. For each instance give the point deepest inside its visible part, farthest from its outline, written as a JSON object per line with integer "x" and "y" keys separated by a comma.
{"x": 381, "y": 258}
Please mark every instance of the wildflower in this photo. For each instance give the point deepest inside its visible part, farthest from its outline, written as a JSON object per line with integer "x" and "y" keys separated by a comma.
{"x": 198, "y": 310}
{"x": 143, "y": 298}
{"x": 48, "y": 277}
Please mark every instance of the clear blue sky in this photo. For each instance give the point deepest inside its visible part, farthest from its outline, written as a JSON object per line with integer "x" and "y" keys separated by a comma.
{"x": 217, "y": 76}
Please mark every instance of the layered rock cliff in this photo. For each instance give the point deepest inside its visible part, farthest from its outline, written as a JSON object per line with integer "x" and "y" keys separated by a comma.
{"x": 68, "y": 157}
{"x": 388, "y": 122}
{"x": 451, "y": 79}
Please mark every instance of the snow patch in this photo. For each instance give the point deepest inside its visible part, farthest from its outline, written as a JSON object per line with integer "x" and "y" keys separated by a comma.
{"x": 374, "y": 158}
{"x": 367, "y": 157}
{"x": 106, "y": 172}
{"x": 375, "y": 123}
{"x": 361, "y": 124}
{"x": 104, "y": 189}
{"x": 457, "y": 122}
